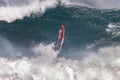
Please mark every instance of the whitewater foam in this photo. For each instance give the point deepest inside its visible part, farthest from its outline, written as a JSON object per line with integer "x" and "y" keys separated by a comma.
{"x": 103, "y": 64}
{"x": 13, "y": 10}
{"x": 45, "y": 52}
{"x": 113, "y": 30}
{"x": 11, "y": 13}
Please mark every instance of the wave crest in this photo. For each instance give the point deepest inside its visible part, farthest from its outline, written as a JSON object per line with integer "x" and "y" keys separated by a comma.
{"x": 11, "y": 13}
{"x": 10, "y": 10}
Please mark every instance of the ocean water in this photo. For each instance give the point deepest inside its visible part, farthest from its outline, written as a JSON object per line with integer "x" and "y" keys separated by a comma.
{"x": 29, "y": 29}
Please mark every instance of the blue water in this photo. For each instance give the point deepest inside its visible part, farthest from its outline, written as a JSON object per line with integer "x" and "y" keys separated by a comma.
{"x": 83, "y": 26}
{"x": 29, "y": 30}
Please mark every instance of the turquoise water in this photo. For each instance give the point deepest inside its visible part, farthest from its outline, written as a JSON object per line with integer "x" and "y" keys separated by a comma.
{"x": 90, "y": 51}
{"x": 83, "y": 26}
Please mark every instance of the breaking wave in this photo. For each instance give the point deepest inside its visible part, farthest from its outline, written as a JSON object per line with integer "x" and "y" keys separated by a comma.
{"x": 10, "y": 13}
{"x": 113, "y": 30}
{"x": 91, "y": 49}
{"x": 102, "y": 64}
{"x": 10, "y": 10}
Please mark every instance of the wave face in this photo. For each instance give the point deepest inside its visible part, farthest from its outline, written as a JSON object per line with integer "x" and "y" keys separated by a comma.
{"x": 10, "y": 10}
{"x": 90, "y": 51}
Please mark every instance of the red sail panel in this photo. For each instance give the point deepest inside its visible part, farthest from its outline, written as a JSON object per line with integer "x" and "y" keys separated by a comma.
{"x": 61, "y": 37}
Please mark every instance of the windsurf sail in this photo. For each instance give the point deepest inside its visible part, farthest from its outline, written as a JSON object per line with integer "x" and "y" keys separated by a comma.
{"x": 61, "y": 37}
